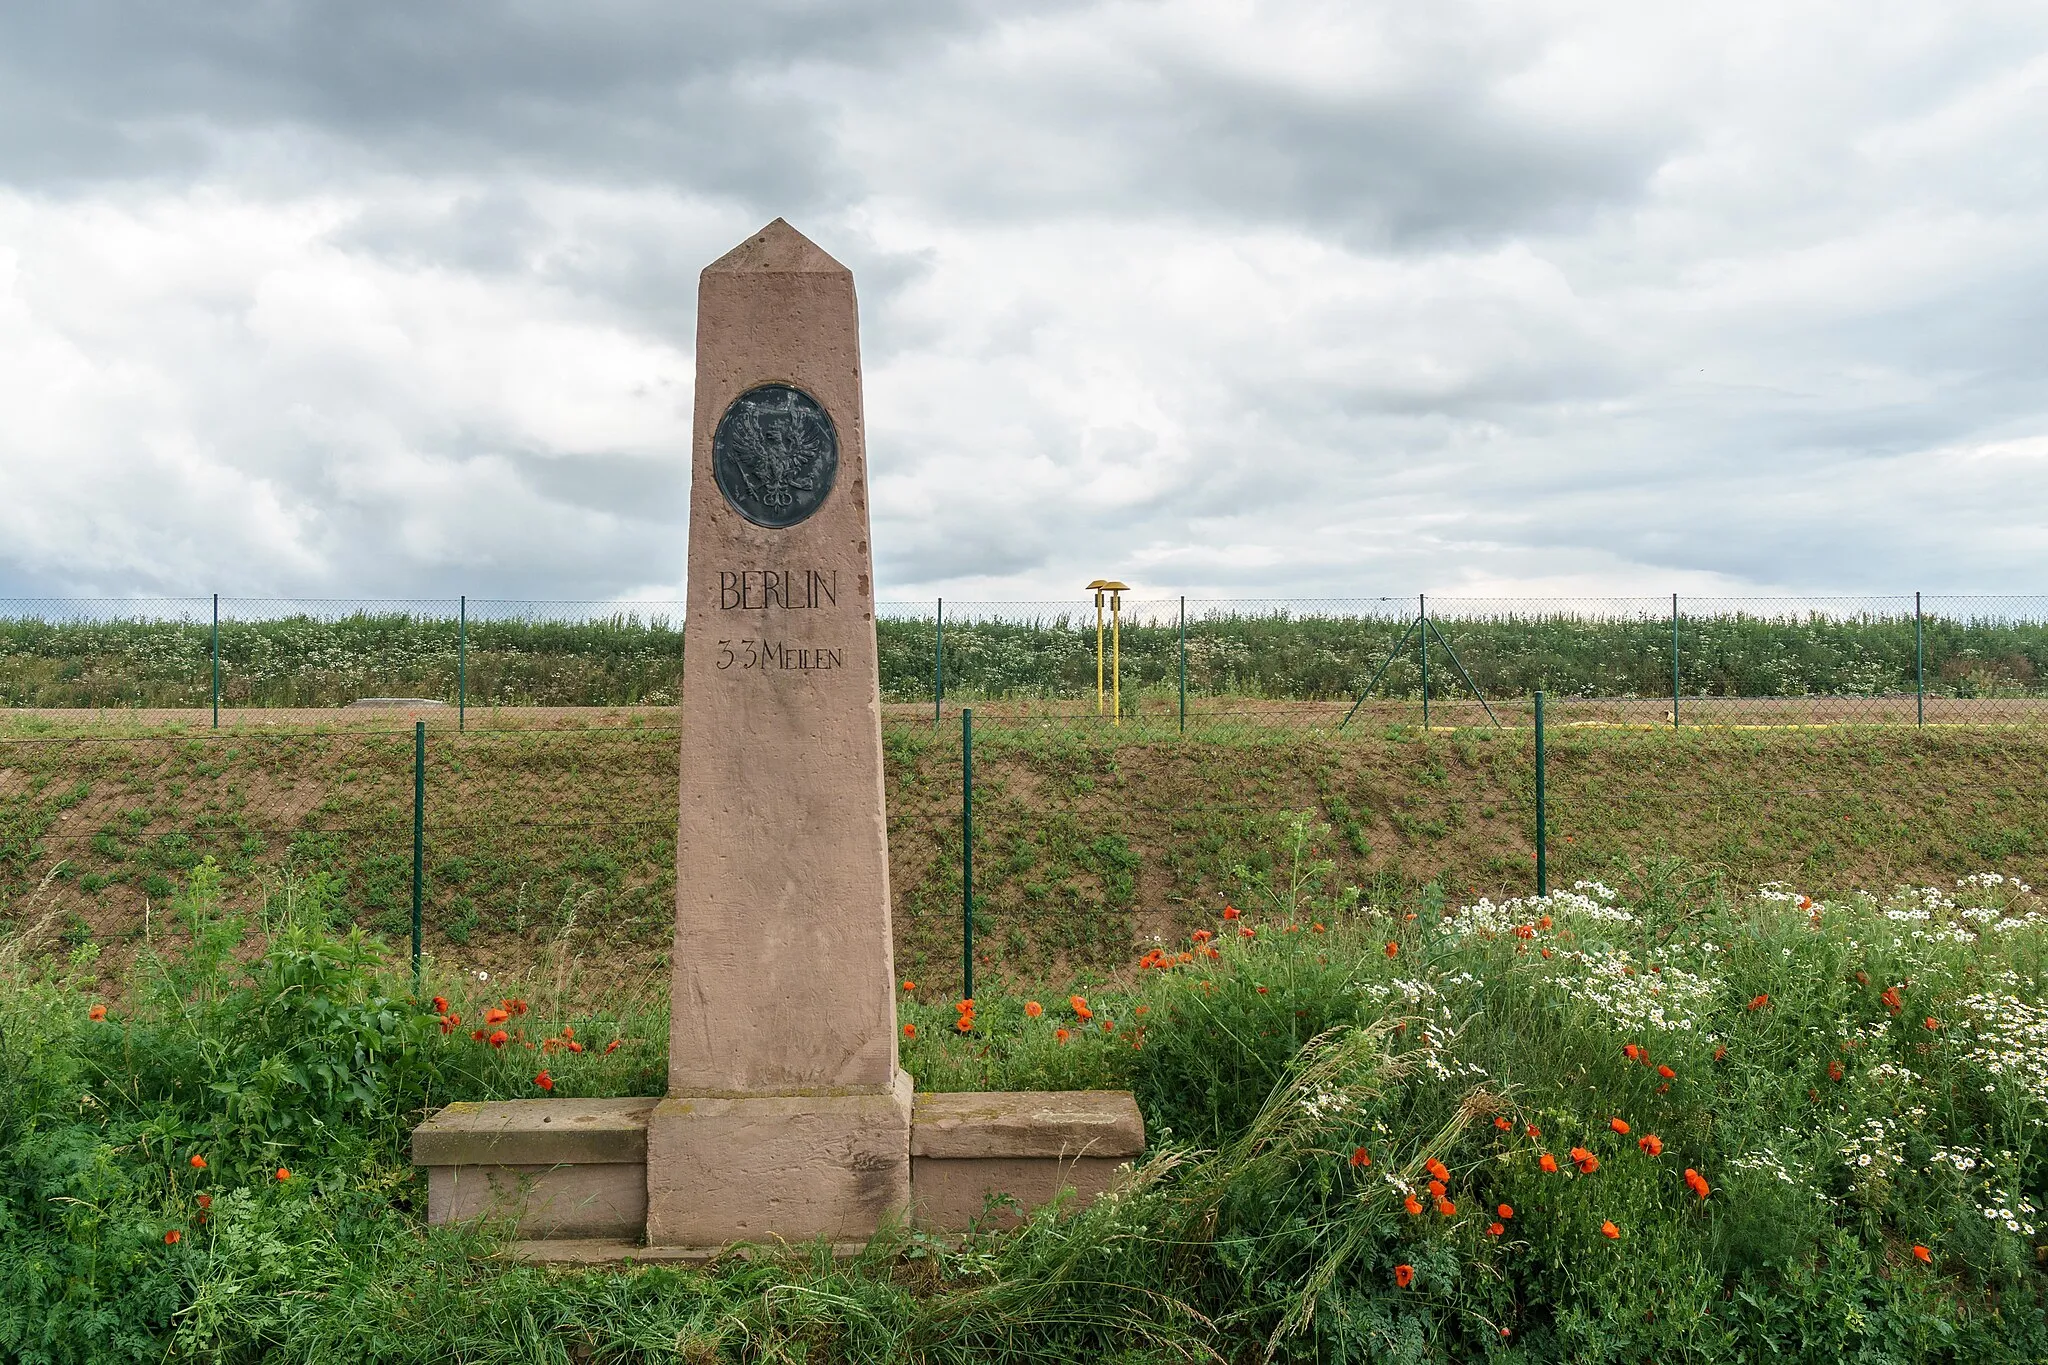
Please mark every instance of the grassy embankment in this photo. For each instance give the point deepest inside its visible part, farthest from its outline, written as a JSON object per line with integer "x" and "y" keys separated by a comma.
{"x": 1087, "y": 848}
{"x": 1677, "y": 1126}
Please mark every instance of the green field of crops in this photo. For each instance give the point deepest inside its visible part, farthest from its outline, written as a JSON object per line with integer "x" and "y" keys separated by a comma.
{"x": 629, "y": 660}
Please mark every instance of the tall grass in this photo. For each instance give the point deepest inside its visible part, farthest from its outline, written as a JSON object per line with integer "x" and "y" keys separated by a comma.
{"x": 1852, "y": 1080}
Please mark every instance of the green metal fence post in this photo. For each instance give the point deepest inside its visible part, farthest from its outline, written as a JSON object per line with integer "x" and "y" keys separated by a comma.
{"x": 1422, "y": 620}
{"x": 1183, "y": 665}
{"x": 462, "y": 664}
{"x": 1674, "y": 661}
{"x": 419, "y": 838}
{"x": 216, "y": 661}
{"x": 939, "y": 664}
{"x": 1919, "y": 664}
{"x": 1542, "y": 852}
{"x": 967, "y": 852}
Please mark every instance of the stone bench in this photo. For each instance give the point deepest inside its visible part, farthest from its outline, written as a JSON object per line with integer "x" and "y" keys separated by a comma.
{"x": 571, "y": 1175}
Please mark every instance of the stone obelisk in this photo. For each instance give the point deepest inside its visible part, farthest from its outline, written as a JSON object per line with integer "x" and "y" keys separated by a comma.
{"x": 787, "y": 1114}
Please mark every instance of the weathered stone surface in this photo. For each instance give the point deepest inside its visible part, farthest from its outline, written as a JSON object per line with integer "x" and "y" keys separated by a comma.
{"x": 949, "y": 1194}
{"x": 534, "y": 1133}
{"x": 602, "y": 1200}
{"x": 784, "y": 980}
{"x": 590, "y": 1251}
{"x": 783, "y": 1167}
{"x": 1028, "y": 1123}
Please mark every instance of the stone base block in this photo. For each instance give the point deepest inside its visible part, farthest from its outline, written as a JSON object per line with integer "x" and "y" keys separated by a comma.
{"x": 951, "y": 1195}
{"x": 594, "y": 1251}
{"x": 543, "y": 1201}
{"x": 777, "y": 1168}
{"x": 556, "y": 1168}
{"x": 973, "y": 1153}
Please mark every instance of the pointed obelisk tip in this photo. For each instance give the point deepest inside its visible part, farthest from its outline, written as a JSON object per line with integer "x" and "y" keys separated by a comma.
{"x": 777, "y": 248}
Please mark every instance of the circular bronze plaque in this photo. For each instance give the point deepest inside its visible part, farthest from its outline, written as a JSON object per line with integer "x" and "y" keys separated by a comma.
{"x": 775, "y": 455}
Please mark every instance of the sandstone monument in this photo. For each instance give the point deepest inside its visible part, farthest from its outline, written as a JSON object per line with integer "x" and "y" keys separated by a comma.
{"x": 788, "y": 1115}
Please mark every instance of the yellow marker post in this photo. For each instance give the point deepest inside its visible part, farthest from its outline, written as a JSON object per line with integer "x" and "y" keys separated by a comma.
{"x": 1116, "y": 603}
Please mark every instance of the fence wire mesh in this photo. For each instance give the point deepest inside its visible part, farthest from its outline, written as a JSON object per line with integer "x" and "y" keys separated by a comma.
{"x": 1161, "y": 664}
{"x": 540, "y": 830}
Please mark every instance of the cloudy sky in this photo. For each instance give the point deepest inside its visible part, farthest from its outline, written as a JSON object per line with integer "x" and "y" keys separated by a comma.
{"x": 391, "y": 299}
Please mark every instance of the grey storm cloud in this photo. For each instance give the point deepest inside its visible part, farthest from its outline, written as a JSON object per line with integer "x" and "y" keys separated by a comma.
{"x": 1274, "y": 299}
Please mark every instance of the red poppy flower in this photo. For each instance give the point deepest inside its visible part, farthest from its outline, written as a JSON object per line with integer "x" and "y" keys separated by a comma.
{"x": 965, "y": 1023}
{"x": 1933, "y": 1023}
{"x": 1412, "y": 1204}
{"x": 909, "y": 1031}
{"x": 284, "y": 1173}
{"x": 1759, "y": 1002}
{"x": 1404, "y": 1275}
{"x": 1060, "y": 1035}
{"x": 1203, "y": 935}
{"x": 1316, "y": 929}
{"x": 1892, "y": 1000}
{"x": 478, "y": 1035}
{"x": 1502, "y": 1124}
{"x": 1247, "y": 933}
{"x": 965, "y": 1006}
{"x": 575, "y": 1047}
{"x": 1543, "y": 923}
{"x": 1392, "y": 948}
{"x": 1436, "y": 1189}
{"x": 198, "y": 1162}
{"x": 1081, "y": 1010}
{"x": 1652, "y": 1144}
{"x": 1446, "y": 1208}
{"x": 1921, "y": 1253}
{"x": 909, "y": 985}
{"x": 1609, "y": 1230}
{"x": 612, "y": 1046}
{"x": 172, "y": 1237}
{"x": 1619, "y": 1125}
{"x": 1359, "y": 1158}
{"x": 1231, "y": 912}
{"x": 517, "y": 1006}
{"x": 205, "y": 1201}
{"x": 1436, "y": 1168}
{"x": 498, "y": 1039}
{"x": 440, "y": 1004}
{"x": 544, "y": 1081}
{"x": 1631, "y": 1051}
{"x": 1720, "y": 1053}
{"x": 495, "y": 1015}
{"x": 96, "y": 1013}
{"x": 1834, "y": 1071}
{"x": 1667, "y": 1073}
{"x": 1533, "y": 1131}
{"x": 448, "y": 1023}
{"x": 1505, "y": 1210}
{"x": 1547, "y": 1162}
{"x": 1495, "y": 1229}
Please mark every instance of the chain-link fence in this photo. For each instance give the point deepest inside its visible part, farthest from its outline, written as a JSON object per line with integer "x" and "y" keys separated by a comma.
{"x": 527, "y": 838}
{"x": 1156, "y": 663}
{"x": 1218, "y": 666}
{"x": 540, "y": 832}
